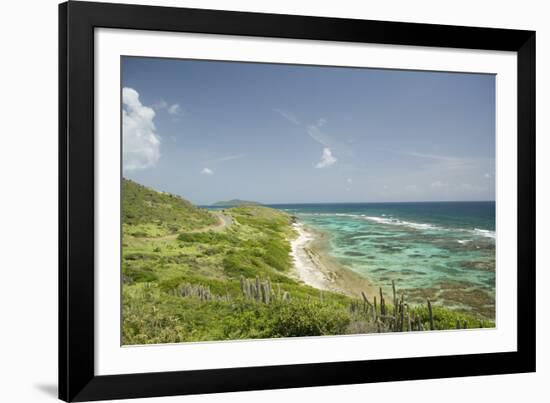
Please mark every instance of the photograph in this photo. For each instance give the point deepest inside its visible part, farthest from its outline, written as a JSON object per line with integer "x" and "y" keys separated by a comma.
{"x": 272, "y": 200}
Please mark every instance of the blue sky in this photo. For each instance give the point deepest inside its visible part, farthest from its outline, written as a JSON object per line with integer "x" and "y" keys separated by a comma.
{"x": 212, "y": 131}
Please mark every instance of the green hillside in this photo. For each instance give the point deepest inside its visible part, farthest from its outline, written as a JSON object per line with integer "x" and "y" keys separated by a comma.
{"x": 151, "y": 211}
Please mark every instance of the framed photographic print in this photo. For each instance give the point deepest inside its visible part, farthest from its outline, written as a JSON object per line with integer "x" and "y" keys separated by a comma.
{"x": 258, "y": 201}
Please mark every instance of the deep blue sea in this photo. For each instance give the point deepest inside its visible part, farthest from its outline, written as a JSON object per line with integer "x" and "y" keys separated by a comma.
{"x": 444, "y": 251}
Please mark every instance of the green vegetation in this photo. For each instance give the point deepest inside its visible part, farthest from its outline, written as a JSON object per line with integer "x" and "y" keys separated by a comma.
{"x": 194, "y": 275}
{"x": 148, "y": 212}
{"x": 235, "y": 203}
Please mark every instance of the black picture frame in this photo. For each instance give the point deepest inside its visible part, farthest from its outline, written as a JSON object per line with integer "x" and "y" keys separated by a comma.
{"x": 77, "y": 379}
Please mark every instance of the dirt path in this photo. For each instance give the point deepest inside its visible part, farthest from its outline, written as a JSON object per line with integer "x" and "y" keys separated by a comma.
{"x": 225, "y": 221}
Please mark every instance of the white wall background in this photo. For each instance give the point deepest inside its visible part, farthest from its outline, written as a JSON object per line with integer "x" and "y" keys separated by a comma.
{"x": 28, "y": 202}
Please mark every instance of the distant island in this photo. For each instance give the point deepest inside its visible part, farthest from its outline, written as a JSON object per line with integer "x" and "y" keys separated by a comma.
{"x": 236, "y": 202}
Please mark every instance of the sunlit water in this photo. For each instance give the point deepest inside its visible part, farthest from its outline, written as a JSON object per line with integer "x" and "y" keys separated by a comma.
{"x": 443, "y": 251}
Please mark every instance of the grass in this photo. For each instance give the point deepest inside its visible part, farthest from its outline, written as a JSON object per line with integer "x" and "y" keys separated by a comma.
{"x": 147, "y": 212}
{"x": 183, "y": 281}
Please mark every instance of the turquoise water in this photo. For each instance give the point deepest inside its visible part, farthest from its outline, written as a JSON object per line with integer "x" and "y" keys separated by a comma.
{"x": 444, "y": 251}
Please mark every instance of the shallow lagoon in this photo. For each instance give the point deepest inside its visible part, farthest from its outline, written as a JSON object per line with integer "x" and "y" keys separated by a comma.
{"x": 444, "y": 251}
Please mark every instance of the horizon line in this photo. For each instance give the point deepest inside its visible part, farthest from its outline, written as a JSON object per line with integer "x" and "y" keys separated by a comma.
{"x": 323, "y": 202}
{"x": 359, "y": 202}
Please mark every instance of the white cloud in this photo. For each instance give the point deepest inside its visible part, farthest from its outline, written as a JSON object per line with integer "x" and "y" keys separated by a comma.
{"x": 161, "y": 104}
{"x": 315, "y": 132}
{"x": 438, "y": 184}
{"x": 141, "y": 144}
{"x": 174, "y": 109}
{"x": 349, "y": 181}
{"x": 443, "y": 161}
{"x": 288, "y": 116}
{"x": 215, "y": 162}
{"x": 327, "y": 159}
{"x": 225, "y": 158}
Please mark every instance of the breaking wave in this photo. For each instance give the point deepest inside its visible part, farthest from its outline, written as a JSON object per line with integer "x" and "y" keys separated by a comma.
{"x": 388, "y": 220}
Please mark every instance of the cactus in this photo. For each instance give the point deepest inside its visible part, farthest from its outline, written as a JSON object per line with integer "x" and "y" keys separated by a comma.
{"x": 431, "y": 315}
{"x": 266, "y": 292}
{"x": 242, "y": 281}
{"x": 199, "y": 291}
{"x": 260, "y": 290}
{"x": 394, "y": 298}
{"x": 367, "y": 306}
{"x": 402, "y": 318}
{"x": 257, "y": 289}
{"x": 382, "y": 303}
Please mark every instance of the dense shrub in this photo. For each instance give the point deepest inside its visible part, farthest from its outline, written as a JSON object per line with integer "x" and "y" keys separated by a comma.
{"x": 204, "y": 237}
{"x": 309, "y": 318}
{"x": 237, "y": 264}
{"x": 139, "y": 273}
{"x": 277, "y": 254}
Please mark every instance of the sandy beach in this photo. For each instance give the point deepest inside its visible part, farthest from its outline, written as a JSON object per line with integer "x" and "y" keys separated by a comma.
{"x": 317, "y": 269}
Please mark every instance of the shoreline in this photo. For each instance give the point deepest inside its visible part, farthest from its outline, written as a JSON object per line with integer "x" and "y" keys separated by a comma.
{"x": 314, "y": 266}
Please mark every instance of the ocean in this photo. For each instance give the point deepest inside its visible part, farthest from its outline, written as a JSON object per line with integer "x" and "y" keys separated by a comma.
{"x": 444, "y": 251}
